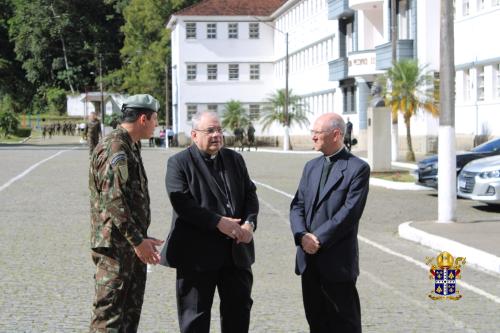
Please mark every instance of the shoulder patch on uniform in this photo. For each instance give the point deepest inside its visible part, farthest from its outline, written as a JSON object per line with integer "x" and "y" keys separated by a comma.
{"x": 118, "y": 157}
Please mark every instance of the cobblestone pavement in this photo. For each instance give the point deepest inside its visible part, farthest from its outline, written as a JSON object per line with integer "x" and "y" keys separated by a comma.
{"x": 46, "y": 271}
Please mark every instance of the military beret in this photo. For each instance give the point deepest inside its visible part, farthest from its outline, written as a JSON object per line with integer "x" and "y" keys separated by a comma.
{"x": 141, "y": 101}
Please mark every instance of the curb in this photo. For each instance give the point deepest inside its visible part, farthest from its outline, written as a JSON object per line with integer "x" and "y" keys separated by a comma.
{"x": 373, "y": 181}
{"x": 396, "y": 185}
{"x": 473, "y": 256}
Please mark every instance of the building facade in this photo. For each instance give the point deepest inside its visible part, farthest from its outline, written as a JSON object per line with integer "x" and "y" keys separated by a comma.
{"x": 223, "y": 50}
{"x": 477, "y": 63}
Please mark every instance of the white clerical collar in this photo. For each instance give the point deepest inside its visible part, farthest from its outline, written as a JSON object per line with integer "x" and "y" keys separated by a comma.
{"x": 329, "y": 157}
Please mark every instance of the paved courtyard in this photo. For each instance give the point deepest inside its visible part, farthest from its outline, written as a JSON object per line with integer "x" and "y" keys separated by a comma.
{"x": 46, "y": 271}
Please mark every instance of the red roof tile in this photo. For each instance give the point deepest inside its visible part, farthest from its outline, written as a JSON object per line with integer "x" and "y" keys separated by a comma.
{"x": 232, "y": 8}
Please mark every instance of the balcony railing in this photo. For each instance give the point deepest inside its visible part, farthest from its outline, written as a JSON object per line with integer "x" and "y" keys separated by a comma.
{"x": 338, "y": 8}
{"x": 337, "y": 69}
{"x": 384, "y": 53}
{"x": 361, "y": 63}
{"x": 366, "y": 4}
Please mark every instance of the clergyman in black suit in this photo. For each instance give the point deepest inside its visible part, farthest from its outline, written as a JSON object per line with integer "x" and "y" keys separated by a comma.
{"x": 210, "y": 243}
{"x": 324, "y": 216}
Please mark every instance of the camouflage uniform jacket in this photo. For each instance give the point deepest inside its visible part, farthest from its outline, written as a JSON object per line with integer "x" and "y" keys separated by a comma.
{"x": 93, "y": 132}
{"x": 119, "y": 197}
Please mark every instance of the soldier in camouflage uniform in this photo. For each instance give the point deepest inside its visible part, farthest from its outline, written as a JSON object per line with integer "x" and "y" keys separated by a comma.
{"x": 120, "y": 217}
{"x": 93, "y": 131}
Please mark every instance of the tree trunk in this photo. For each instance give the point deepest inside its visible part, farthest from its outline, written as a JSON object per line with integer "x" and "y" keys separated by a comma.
{"x": 167, "y": 96}
{"x": 410, "y": 154}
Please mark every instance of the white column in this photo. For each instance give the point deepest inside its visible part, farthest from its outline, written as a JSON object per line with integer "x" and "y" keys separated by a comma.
{"x": 447, "y": 175}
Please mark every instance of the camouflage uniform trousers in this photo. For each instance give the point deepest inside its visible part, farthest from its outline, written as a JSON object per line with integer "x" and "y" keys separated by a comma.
{"x": 120, "y": 281}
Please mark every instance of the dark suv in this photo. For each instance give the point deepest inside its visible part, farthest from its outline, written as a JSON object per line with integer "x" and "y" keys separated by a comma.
{"x": 427, "y": 171}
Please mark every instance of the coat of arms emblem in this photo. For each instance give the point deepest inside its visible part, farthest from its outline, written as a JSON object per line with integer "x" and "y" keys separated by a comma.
{"x": 445, "y": 270}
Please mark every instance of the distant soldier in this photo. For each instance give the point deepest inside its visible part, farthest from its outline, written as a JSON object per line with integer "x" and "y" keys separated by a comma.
{"x": 251, "y": 136}
{"x": 93, "y": 131}
{"x": 51, "y": 130}
{"x": 114, "y": 123}
{"x": 44, "y": 131}
{"x": 170, "y": 136}
{"x": 239, "y": 134}
{"x": 348, "y": 135}
{"x": 120, "y": 217}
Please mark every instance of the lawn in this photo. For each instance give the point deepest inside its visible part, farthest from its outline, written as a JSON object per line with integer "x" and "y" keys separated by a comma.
{"x": 395, "y": 176}
{"x": 17, "y": 139}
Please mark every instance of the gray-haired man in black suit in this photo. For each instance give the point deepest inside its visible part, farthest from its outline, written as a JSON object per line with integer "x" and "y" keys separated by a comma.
{"x": 211, "y": 238}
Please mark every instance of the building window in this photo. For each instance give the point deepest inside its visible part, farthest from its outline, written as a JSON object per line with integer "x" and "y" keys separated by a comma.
{"x": 234, "y": 72}
{"x": 255, "y": 72}
{"x": 254, "y": 111}
{"x": 232, "y": 30}
{"x": 349, "y": 96}
{"x": 191, "y": 111}
{"x": 480, "y": 83}
{"x": 212, "y": 72}
{"x": 404, "y": 20}
{"x": 497, "y": 80}
{"x": 465, "y": 7}
{"x": 349, "y": 37}
{"x": 480, "y": 4}
{"x": 191, "y": 30}
{"x": 212, "y": 107}
{"x": 211, "y": 30}
{"x": 495, "y": 3}
{"x": 253, "y": 32}
{"x": 466, "y": 85}
{"x": 191, "y": 72}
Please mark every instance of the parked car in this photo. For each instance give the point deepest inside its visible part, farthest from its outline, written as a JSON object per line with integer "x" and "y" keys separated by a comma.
{"x": 427, "y": 171}
{"x": 480, "y": 180}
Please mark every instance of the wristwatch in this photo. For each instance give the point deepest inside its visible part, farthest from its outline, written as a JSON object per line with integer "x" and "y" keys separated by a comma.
{"x": 251, "y": 223}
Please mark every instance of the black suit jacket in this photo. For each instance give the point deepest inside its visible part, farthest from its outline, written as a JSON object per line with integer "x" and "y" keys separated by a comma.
{"x": 333, "y": 217}
{"x": 194, "y": 242}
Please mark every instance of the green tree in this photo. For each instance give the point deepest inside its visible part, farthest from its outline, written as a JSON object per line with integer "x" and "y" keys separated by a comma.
{"x": 412, "y": 89}
{"x": 234, "y": 115}
{"x": 56, "y": 100}
{"x": 59, "y": 42}
{"x": 9, "y": 123}
{"x": 145, "y": 47}
{"x": 274, "y": 111}
{"x": 12, "y": 77}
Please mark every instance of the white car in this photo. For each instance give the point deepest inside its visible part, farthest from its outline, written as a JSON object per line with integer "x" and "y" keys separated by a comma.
{"x": 480, "y": 180}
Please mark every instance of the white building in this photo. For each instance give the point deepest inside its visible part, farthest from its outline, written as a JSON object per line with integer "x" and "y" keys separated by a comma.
{"x": 477, "y": 61}
{"x": 222, "y": 57}
{"x": 336, "y": 49}
{"x": 83, "y": 104}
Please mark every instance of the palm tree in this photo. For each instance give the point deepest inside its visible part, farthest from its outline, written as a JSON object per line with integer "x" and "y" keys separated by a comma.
{"x": 411, "y": 89}
{"x": 274, "y": 111}
{"x": 234, "y": 115}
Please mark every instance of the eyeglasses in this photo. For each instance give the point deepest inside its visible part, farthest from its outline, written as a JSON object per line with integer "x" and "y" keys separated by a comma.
{"x": 314, "y": 132}
{"x": 210, "y": 130}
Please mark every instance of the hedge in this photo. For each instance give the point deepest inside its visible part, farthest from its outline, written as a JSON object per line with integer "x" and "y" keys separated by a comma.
{"x": 23, "y": 132}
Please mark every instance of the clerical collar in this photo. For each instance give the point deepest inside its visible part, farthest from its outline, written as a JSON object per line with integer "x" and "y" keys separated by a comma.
{"x": 206, "y": 156}
{"x": 334, "y": 156}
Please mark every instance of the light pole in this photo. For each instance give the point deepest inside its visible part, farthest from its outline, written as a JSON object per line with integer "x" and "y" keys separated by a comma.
{"x": 286, "y": 139}
{"x": 447, "y": 174}
{"x": 286, "y": 115}
{"x": 394, "y": 58}
{"x": 102, "y": 94}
